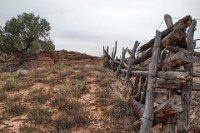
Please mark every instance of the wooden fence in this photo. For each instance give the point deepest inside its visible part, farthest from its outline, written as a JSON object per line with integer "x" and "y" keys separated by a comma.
{"x": 159, "y": 79}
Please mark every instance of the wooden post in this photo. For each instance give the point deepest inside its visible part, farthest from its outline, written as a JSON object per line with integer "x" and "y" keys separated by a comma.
{"x": 113, "y": 56}
{"x": 169, "y": 126}
{"x": 106, "y": 57}
{"x": 183, "y": 123}
{"x": 140, "y": 88}
{"x": 121, "y": 63}
{"x": 132, "y": 57}
{"x": 147, "y": 118}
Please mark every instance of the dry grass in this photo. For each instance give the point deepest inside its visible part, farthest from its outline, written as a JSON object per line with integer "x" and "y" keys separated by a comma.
{"x": 58, "y": 106}
{"x": 38, "y": 96}
{"x": 14, "y": 85}
{"x": 3, "y": 95}
{"x": 72, "y": 114}
{"x": 104, "y": 96}
{"x": 40, "y": 115}
{"x": 74, "y": 88}
{"x": 27, "y": 129}
{"x": 15, "y": 109}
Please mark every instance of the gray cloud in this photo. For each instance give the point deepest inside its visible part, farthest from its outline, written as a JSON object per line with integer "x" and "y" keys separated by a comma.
{"x": 87, "y": 25}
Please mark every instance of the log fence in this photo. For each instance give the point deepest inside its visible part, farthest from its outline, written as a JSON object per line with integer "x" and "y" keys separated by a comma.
{"x": 158, "y": 76}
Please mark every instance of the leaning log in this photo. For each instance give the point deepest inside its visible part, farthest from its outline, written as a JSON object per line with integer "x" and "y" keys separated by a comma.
{"x": 137, "y": 107}
{"x": 169, "y": 75}
{"x": 142, "y": 57}
{"x": 183, "y": 57}
{"x": 161, "y": 112}
{"x": 173, "y": 38}
{"x": 168, "y": 84}
{"x": 182, "y": 23}
{"x": 174, "y": 84}
{"x": 172, "y": 106}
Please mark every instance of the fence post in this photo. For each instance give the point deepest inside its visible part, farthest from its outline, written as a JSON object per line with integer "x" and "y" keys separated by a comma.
{"x": 147, "y": 118}
{"x": 183, "y": 123}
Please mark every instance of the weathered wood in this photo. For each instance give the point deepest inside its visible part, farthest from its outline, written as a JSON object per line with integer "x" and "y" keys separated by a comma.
{"x": 160, "y": 95}
{"x": 168, "y": 20}
{"x": 196, "y": 74}
{"x": 183, "y": 124}
{"x": 168, "y": 84}
{"x": 140, "y": 88}
{"x": 142, "y": 99}
{"x": 161, "y": 112}
{"x": 132, "y": 57}
{"x": 196, "y": 86}
{"x": 113, "y": 55}
{"x": 106, "y": 57}
{"x": 172, "y": 75}
{"x": 144, "y": 56}
{"x": 137, "y": 107}
{"x": 147, "y": 118}
{"x": 196, "y": 53}
{"x": 174, "y": 38}
{"x": 169, "y": 75}
{"x": 181, "y": 58}
{"x": 174, "y": 84}
{"x": 172, "y": 106}
{"x": 182, "y": 23}
{"x": 169, "y": 128}
{"x": 136, "y": 84}
{"x": 122, "y": 62}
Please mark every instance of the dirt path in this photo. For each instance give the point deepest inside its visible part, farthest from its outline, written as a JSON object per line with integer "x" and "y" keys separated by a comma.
{"x": 99, "y": 122}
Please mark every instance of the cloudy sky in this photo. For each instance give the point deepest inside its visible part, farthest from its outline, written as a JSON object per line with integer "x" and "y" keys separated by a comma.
{"x": 87, "y": 25}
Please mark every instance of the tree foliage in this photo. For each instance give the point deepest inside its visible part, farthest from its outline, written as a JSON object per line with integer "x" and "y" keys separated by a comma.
{"x": 25, "y": 34}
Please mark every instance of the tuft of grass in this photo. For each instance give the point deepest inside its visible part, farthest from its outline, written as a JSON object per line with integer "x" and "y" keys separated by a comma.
{"x": 122, "y": 116}
{"x": 27, "y": 129}
{"x": 40, "y": 115}
{"x": 13, "y": 85}
{"x": 6, "y": 76}
{"x": 3, "y": 96}
{"x": 73, "y": 115}
{"x": 104, "y": 96}
{"x": 59, "y": 101}
{"x": 105, "y": 79}
{"x": 2, "y": 115}
{"x": 75, "y": 88}
{"x": 120, "y": 110}
{"x": 15, "y": 109}
{"x": 39, "y": 96}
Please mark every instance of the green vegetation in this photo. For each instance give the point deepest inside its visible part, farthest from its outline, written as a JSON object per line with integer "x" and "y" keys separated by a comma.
{"x": 25, "y": 35}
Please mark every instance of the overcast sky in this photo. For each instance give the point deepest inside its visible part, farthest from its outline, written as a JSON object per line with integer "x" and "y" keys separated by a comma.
{"x": 87, "y": 25}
